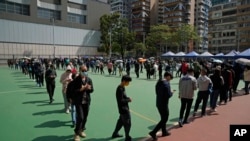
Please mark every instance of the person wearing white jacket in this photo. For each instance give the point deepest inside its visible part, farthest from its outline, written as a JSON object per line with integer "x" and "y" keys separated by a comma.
{"x": 65, "y": 79}
{"x": 204, "y": 86}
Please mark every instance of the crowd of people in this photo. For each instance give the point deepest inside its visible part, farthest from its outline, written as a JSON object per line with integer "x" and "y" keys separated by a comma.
{"x": 214, "y": 81}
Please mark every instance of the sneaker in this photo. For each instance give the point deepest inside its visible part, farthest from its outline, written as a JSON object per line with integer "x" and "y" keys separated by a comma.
{"x": 153, "y": 135}
{"x": 180, "y": 123}
{"x": 186, "y": 122}
{"x": 166, "y": 134}
{"x": 76, "y": 138}
{"x": 194, "y": 114}
{"x": 116, "y": 136}
{"x": 82, "y": 134}
{"x": 67, "y": 111}
{"x": 128, "y": 138}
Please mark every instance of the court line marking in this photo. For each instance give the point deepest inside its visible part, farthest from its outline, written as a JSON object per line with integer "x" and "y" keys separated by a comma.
{"x": 143, "y": 117}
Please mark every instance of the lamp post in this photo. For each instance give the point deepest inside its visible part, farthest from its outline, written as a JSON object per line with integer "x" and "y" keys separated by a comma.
{"x": 53, "y": 38}
{"x": 110, "y": 44}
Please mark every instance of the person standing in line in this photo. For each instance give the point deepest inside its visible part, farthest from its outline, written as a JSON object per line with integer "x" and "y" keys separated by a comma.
{"x": 246, "y": 76}
{"x": 65, "y": 78}
{"x": 218, "y": 82}
{"x": 83, "y": 87}
{"x": 50, "y": 76}
{"x": 160, "y": 70}
{"x": 137, "y": 67}
{"x": 163, "y": 93}
{"x": 128, "y": 67}
{"x": 238, "y": 73}
{"x": 187, "y": 86}
{"x": 204, "y": 85}
{"x": 110, "y": 67}
{"x": 123, "y": 108}
{"x": 70, "y": 94}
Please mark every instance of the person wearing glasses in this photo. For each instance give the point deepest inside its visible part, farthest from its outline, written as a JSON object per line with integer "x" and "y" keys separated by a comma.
{"x": 83, "y": 87}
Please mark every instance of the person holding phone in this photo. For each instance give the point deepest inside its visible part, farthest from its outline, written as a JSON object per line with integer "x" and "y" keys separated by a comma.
{"x": 83, "y": 87}
{"x": 163, "y": 93}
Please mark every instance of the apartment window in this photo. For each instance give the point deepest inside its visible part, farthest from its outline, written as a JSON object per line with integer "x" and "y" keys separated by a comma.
{"x": 16, "y": 8}
{"x": 48, "y": 14}
{"x": 75, "y": 18}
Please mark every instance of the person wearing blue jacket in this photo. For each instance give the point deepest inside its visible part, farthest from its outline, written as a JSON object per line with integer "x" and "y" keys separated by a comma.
{"x": 163, "y": 93}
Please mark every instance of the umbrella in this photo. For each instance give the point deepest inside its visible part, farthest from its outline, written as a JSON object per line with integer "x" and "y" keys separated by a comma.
{"x": 118, "y": 61}
{"x": 25, "y": 57}
{"x": 217, "y": 61}
{"x": 243, "y": 61}
{"x": 142, "y": 60}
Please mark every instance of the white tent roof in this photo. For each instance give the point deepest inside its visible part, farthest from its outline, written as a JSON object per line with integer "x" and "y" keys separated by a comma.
{"x": 206, "y": 54}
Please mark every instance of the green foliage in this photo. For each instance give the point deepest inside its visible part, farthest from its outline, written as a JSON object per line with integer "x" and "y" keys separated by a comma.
{"x": 115, "y": 30}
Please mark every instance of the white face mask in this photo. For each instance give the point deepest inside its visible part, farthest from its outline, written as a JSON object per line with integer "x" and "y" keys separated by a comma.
{"x": 84, "y": 74}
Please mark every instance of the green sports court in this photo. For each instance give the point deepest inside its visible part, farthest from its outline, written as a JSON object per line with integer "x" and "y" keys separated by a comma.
{"x": 26, "y": 114}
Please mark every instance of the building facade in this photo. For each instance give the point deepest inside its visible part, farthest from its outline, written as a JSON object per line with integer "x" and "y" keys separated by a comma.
{"x": 243, "y": 22}
{"x": 201, "y": 23}
{"x": 50, "y": 28}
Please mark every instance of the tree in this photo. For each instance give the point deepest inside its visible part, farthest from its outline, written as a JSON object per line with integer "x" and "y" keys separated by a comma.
{"x": 139, "y": 49}
{"x": 107, "y": 24}
{"x": 115, "y": 34}
{"x": 186, "y": 33}
{"x": 158, "y": 38}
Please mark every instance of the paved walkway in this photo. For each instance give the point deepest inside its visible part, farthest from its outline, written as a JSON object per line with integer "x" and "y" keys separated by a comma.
{"x": 214, "y": 126}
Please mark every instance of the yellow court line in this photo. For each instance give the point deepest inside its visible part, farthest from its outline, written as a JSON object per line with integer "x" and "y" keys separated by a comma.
{"x": 142, "y": 116}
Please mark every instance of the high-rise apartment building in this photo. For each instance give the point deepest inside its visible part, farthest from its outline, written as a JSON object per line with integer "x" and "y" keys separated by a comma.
{"x": 201, "y": 23}
{"x": 243, "y": 22}
{"x": 140, "y": 17}
{"x": 229, "y": 26}
{"x": 48, "y": 28}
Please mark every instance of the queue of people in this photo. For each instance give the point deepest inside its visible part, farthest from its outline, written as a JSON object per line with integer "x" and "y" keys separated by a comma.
{"x": 77, "y": 87}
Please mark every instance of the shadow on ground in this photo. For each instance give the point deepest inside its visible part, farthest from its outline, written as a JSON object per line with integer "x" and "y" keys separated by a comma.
{"x": 54, "y": 138}
{"x": 48, "y": 112}
{"x": 53, "y": 124}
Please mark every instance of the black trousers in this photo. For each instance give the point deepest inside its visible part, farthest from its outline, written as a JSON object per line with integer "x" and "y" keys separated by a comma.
{"x": 125, "y": 121}
{"x": 185, "y": 105}
{"x": 50, "y": 86}
{"x": 137, "y": 73}
{"x": 202, "y": 96}
{"x": 164, "y": 113}
{"x": 82, "y": 111}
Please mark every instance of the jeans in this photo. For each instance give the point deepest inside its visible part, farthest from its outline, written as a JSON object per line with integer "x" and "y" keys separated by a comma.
{"x": 213, "y": 98}
{"x": 73, "y": 114}
{"x": 82, "y": 111}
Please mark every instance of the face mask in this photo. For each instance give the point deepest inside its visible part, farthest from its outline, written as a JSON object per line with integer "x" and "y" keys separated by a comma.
{"x": 84, "y": 73}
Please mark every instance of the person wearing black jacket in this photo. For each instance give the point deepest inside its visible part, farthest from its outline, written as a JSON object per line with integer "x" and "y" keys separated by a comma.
{"x": 50, "y": 76}
{"x": 83, "y": 87}
{"x": 123, "y": 108}
{"x": 163, "y": 93}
